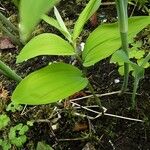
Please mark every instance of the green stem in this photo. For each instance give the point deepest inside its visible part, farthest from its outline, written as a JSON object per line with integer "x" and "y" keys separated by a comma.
{"x": 123, "y": 26}
{"x": 8, "y": 24}
{"x": 98, "y": 101}
{"x": 135, "y": 87}
{"x": 12, "y": 37}
{"x": 9, "y": 72}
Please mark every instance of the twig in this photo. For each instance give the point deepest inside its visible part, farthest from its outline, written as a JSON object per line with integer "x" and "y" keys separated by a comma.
{"x": 100, "y": 95}
{"x": 2, "y": 9}
{"x": 23, "y": 111}
{"x": 126, "y": 118}
{"x": 107, "y": 114}
{"x": 108, "y": 3}
{"x": 75, "y": 139}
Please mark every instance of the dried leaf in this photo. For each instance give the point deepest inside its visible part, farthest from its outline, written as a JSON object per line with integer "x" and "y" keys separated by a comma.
{"x": 4, "y": 94}
{"x": 5, "y": 43}
{"x": 80, "y": 126}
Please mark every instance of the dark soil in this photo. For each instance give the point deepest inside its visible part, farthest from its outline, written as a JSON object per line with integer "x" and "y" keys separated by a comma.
{"x": 77, "y": 132}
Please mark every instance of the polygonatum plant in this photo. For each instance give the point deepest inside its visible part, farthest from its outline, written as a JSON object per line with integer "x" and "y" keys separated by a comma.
{"x": 60, "y": 80}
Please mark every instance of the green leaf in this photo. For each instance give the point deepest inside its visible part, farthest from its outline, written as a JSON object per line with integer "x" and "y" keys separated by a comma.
{"x": 101, "y": 43}
{"x": 62, "y": 24}
{"x": 43, "y": 146}
{"x": 49, "y": 84}
{"x": 45, "y": 44}
{"x": 105, "y": 40}
{"x": 56, "y": 24}
{"x": 89, "y": 10}
{"x": 30, "y": 14}
{"x": 136, "y": 24}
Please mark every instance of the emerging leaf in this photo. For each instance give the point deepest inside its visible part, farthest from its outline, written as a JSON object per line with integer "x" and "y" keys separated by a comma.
{"x": 49, "y": 84}
{"x": 89, "y": 10}
{"x": 45, "y": 44}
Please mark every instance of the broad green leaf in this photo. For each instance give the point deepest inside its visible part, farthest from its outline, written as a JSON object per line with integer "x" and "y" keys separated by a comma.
{"x": 105, "y": 40}
{"x": 101, "y": 43}
{"x": 89, "y": 10}
{"x": 45, "y": 44}
{"x": 49, "y": 84}
{"x": 30, "y": 15}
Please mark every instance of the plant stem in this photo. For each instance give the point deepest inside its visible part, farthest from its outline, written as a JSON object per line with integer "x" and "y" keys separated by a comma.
{"x": 123, "y": 25}
{"x": 9, "y": 72}
{"x": 98, "y": 101}
{"x": 8, "y": 23}
{"x": 135, "y": 87}
{"x": 12, "y": 37}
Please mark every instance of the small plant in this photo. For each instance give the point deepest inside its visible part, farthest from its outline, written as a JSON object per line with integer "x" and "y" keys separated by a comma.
{"x": 17, "y": 134}
{"x": 4, "y": 120}
{"x": 5, "y": 144}
{"x": 137, "y": 68}
{"x": 136, "y": 54}
{"x": 60, "y": 80}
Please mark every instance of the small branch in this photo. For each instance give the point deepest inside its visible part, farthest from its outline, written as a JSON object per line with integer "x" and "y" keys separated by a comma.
{"x": 75, "y": 139}
{"x": 108, "y": 3}
{"x": 100, "y": 95}
{"x": 107, "y": 114}
{"x": 121, "y": 117}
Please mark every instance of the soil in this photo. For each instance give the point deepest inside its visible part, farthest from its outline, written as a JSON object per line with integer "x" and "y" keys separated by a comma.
{"x": 59, "y": 125}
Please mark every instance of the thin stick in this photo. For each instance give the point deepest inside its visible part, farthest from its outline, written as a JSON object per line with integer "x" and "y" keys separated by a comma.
{"x": 108, "y": 3}
{"x": 107, "y": 114}
{"x": 121, "y": 117}
{"x": 100, "y": 95}
{"x": 75, "y": 139}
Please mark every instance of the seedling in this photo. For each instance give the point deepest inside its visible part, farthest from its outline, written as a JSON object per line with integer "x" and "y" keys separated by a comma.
{"x": 4, "y": 120}
{"x": 60, "y": 80}
{"x": 17, "y": 134}
{"x": 138, "y": 70}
